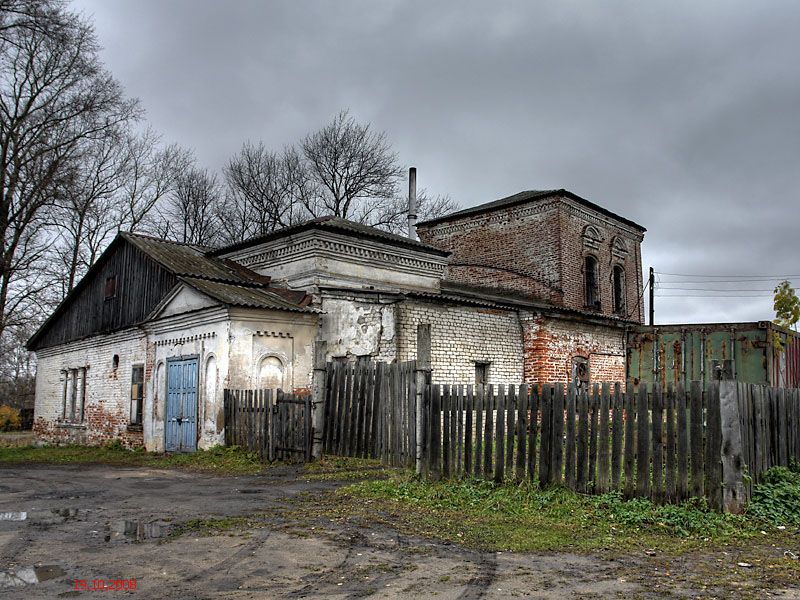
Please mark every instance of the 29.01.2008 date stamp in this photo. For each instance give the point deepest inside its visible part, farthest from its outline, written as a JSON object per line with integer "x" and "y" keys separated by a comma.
{"x": 98, "y": 585}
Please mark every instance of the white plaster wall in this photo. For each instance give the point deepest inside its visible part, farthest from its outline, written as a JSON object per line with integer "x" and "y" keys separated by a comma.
{"x": 107, "y": 404}
{"x": 257, "y": 334}
{"x": 326, "y": 258}
{"x": 358, "y": 327}
{"x": 203, "y": 336}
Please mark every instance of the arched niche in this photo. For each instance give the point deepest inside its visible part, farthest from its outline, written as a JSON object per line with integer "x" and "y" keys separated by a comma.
{"x": 271, "y": 373}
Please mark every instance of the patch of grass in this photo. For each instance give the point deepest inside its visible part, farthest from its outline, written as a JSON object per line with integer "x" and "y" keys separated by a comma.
{"x": 776, "y": 499}
{"x": 210, "y": 526}
{"x": 339, "y": 468}
{"x": 487, "y": 516}
{"x": 220, "y": 460}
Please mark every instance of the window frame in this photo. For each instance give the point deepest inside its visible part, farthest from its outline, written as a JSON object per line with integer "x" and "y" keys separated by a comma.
{"x": 595, "y": 304}
{"x": 136, "y": 415}
{"x": 619, "y": 291}
{"x": 73, "y": 395}
{"x": 110, "y": 290}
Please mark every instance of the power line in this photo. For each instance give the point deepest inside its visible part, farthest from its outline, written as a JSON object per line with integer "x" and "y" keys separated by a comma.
{"x": 732, "y": 276}
{"x": 704, "y": 289}
{"x": 723, "y": 280}
{"x": 713, "y": 296}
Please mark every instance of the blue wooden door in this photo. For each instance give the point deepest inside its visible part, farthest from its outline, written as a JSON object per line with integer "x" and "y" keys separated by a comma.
{"x": 181, "y": 418}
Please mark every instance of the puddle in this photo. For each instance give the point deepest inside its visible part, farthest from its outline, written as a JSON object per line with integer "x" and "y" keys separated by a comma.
{"x": 52, "y": 516}
{"x": 13, "y": 516}
{"x": 250, "y": 491}
{"x": 22, "y": 576}
{"x": 137, "y": 531}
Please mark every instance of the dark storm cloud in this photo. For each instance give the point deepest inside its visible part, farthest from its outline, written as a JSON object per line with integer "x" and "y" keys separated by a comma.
{"x": 681, "y": 116}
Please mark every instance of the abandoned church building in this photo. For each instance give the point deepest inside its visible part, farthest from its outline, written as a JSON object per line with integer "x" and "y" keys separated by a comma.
{"x": 538, "y": 286}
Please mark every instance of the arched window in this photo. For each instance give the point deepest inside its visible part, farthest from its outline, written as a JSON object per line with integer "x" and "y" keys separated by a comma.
{"x": 619, "y": 289}
{"x": 591, "y": 280}
{"x": 270, "y": 373}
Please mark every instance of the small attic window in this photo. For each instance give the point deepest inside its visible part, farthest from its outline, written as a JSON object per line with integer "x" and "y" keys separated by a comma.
{"x": 111, "y": 287}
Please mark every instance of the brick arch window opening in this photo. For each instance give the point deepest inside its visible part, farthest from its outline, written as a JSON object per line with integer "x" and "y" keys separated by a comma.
{"x": 591, "y": 276}
{"x": 618, "y": 284}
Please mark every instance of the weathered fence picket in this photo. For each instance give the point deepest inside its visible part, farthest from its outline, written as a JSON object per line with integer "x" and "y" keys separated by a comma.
{"x": 275, "y": 425}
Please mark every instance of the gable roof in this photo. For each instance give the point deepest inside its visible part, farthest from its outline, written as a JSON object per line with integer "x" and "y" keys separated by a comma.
{"x": 522, "y": 198}
{"x": 338, "y": 225}
{"x": 222, "y": 279}
{"x": 250, "y": 297}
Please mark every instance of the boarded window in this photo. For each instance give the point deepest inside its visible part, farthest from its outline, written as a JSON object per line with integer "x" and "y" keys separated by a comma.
{"x": 580, "y": 371}
{"x": 619, "y": 290}
{"x": 592, "y": 280}
{"x": 111, "y": 287}
{"x": 137, "y": 394}
{"x": 481, "y": 373}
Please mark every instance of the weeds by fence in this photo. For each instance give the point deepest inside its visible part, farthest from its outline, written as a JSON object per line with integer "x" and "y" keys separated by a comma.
{"x": 659, "y": 445}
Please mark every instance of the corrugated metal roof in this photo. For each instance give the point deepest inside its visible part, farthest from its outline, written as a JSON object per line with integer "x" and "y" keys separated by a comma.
{"x": 338, "y": 225}
{"x": 527, "y": 196}
{"x": 189, "y": 260}
{"x": 220, "y": 278}
{"x": 249, "y": 297}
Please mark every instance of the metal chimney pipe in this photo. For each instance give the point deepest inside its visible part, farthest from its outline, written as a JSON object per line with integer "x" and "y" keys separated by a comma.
{"x": 412, "y": 203}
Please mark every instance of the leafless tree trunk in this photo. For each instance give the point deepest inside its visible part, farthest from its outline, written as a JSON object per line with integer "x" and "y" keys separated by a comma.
{"x": 55, "y": 96}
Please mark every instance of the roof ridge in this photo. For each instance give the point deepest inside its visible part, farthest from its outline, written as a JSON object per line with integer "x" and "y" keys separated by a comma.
{"x": 202, "y": 248}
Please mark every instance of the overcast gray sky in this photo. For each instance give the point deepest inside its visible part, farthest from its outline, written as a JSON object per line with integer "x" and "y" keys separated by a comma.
{"x": 683, "y": 116}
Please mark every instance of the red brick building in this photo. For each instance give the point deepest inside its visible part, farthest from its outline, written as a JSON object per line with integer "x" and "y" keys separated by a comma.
{"x": 576, "y": 264}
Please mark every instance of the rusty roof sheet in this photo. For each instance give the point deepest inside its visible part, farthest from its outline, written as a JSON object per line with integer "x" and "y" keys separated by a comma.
{"x": 522, "y": 198}
{"x": 248, "y": 297}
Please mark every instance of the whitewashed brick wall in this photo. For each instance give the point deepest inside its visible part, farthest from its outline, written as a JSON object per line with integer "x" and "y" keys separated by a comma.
{"x": 107, "y": 403}
{"x": 462, "y": 336}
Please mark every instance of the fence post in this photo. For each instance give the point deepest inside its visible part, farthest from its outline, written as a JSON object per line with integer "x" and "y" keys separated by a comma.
{"x": 318, "y": 399}
{"x": 734, "y": 496}
{"x": 422, "y": 375}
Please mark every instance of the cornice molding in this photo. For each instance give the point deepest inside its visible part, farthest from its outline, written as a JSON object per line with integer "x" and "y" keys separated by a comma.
{"x": 186, "y": 339}
{"x": 472, "y": 222}
{"x": 341, "y": 248}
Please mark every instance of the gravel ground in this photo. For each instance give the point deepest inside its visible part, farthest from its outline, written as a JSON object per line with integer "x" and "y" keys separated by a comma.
{"x": 62, "y": 525}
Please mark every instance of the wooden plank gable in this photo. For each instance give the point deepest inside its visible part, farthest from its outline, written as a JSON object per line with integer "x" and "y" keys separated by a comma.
{"x": 119, "y": 291}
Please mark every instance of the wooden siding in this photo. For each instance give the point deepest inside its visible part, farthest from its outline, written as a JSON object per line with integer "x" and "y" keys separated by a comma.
{"x": 141, "y": 285}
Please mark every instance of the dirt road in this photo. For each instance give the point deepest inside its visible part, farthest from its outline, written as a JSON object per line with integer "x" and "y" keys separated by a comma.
{"x": 62, "y": 526}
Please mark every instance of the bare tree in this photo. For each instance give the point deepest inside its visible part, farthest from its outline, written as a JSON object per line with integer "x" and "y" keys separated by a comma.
{"x": 345, "y": 169}
{"x": 352, "y": 169}
{"x": 261, "y": 193}
{"x": 190, "y": 215}
{"x": 84, "y": 210}
{"x": 392, "y": 216}
{"x": 151, "y": 174}
{"x": 55, "y": 96}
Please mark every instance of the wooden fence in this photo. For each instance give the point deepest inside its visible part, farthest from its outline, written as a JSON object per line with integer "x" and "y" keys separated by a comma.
{"x": 770, "y": 426}
{"x": 275, "y": 424}
{"x": 661, "y": 444}
{"x": 370, "y": 411}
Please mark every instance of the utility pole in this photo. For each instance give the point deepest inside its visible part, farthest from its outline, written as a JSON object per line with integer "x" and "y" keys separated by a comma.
{"x": 652, "y": 295}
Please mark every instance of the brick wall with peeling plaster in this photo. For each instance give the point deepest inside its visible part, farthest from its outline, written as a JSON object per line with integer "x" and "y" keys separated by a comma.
{"x": 551, "y": 344}
{"x": 107, "y": 402}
